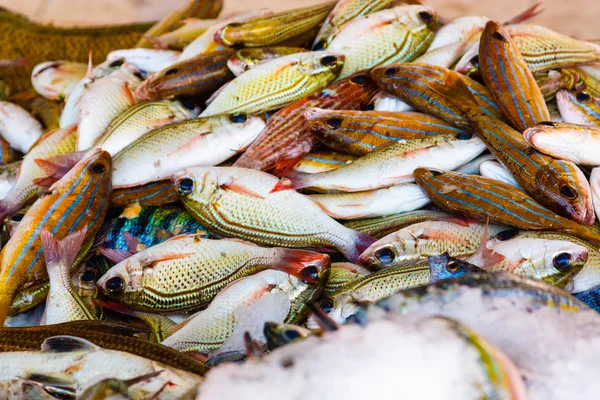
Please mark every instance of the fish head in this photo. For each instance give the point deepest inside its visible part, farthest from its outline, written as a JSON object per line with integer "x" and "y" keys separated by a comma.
{"x": 242, "y": 61}
{"x": 185, "y": 108}
{"x": 324, "y": 64}
{"x": 419, "y": 14}
{"x": 560, "y": 260}
{"x": 96, "y": 165}
{"x": 572, "y": 192}
{"x": 84, "y": 281}
{"x": 196, "y": 185}
{"x": 278, "y": 335}
{"x": 443, "y": 266}
{"x": 322, "y": 122}
{"x": 124, "y": 280}
{"x": 383, "y": 254}
{"x": 338, "y": 308}
{"x": 578, "y": 107}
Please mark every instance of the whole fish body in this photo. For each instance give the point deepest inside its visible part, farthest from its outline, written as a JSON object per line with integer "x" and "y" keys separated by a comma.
{"x": 360, "y": 132}
{"x": 372, "y": 203}
{"x": 166, "y": 150}
{"x": 578, "y": 107}
{"x": 392, "y": 165}
{"x": 35, "y": 172}
{"x": 276, "y": 83}
{"x": 186, "y": 272}
{"x": 143, "y": 117}
{"x": 316, "y": 161}
{"x": 55, "y": 80}
{"x": 246, "y": 59}
{"x": 18, "y": 127}
{"x": 77, "y": 200}
{"x": 286, "y": 139}
{"x": 239, "y": 202}
{"x": 200, "y": 75}
{"x": 399, "y": 34}
{"x": 151, "y": 194}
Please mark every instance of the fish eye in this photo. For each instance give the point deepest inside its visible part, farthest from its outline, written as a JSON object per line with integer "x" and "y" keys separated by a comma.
{"x": 88, "y": 275}
{"x": 583, "y": 97}
{"x": 425, "y": 16}
{"x": 385, "y": 255}
{"x": 188, "y": 104}
{"x": 475, "y": 61}
{"x": 115, "y": 285}
{"x": 329, "y": 61}
{"x": 435, "y": 172}
{"x": 507, "y": 235}
{"x": 234, "y": 25}
{"x": 238, "y": 118}
{"x": 568, "y": 192}
{"x": 464, "y": 136}
{"x": 452, "y": 267}
{"x": 290, "y": 334}
{"x": 360, "y": 79}
{"x": 185, "y": 186}
{"x": 310, "y": 274}
{"x": 334, "y": 123}
{"x": 116, "y": 63}
{"x": 138, "y": 75}
{"x": 499, "y": 36}
{"x": 370, "y": 107}
{"x": 171, "y": 71}
{"x": 320, "y": 45}
{"x": 98, "y": 168}
{"x": 562, "y": 262}
{"x": 17, "y": 217}
{"x": 548, "y": 123}
{"x": 390, "y": 71}
{"x": 326, "y": 305}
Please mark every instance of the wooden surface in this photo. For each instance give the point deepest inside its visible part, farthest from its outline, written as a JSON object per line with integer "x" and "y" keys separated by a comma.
{"x": 573, "y": 17}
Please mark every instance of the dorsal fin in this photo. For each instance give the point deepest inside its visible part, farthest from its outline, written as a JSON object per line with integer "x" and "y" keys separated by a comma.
{"x": 66, "y": 344}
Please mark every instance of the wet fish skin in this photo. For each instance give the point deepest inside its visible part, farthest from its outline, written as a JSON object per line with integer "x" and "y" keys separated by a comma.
{"x": 8, "y": 154}
{"x": 506, "y": 74}
{"x": 314, "y": 162}
{"x": 151, "y": 194}
{"x": 18, "y": 127}
{"x": 273, "y": 29}
{"x": 383, "y": 226}
{"x": 556, "y": 184}
{"x": 278, "y": 335}
{"x": 285, "y": 138}
{"x": 494, "y": 170}
{"x": 55, "y": 80}
{"x": 342, "y": 273}
{"x": 578, "y": 107}
{"x": 444, "y": 266}
{"x": 245, "y": 59}
{"x": 361, "y": 132}
{"x": 197, "y": 76}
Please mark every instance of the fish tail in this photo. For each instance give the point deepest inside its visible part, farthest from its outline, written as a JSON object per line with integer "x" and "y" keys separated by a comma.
{"x": 62, "y": 254}
{"x": 356, "y": 247}
{"x": 292, "y": 180}
{"x": 303, "y": 264}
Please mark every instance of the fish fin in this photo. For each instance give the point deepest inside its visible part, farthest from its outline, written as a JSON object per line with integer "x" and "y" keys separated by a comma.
{"x": 357, "y": 247}
{"x": 148, "y": 261}
{"x": 56, "y": 167}
{"x": 526, "y": 15}
{"x": 114, "y": 255}
{"x": 241, "y": 189}
{"x": 183, "y": 323}
{"x": 133, "y": 243}
{"x": 323, "y": 320}
{"x": 457, "y": 220}
{"x": 216, "y": 93}
{"x": 203, "y": 358}
{"x": 292, "y": 180}
{"x": 62, "y": 254}
{"x": 66, "y": 344}
{"x": 297, "y": 262}
{"x": 483, "y": 254}
{"x": 253, "y": 347}
{"x": 285, "y": 164}
{"x": 90, "y": 68}
{"x": 57, "y": 379}
{"x": 117, "y": 307}
{"x": 142, "y": 378}
{"x": 163, "y": 234}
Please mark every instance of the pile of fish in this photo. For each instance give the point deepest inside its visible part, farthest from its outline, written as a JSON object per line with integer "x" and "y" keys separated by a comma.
{"x": 356, "y": 199}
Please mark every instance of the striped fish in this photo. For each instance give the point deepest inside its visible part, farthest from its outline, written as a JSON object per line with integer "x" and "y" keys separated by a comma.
{"x": 556, "y": 184}
{"x": 197, "y": 76}
{"x": 151, "y": 194}
{"x": 578, "y": 107}
{"x": 285, "y": 139}
{"x": 509, "y": 80}
{"x": 360, "y": 132}
{"x": 320, "y": 161}
{"x": 79, "y": 199}
{"x": 482, "y": 198}
{"x": 436, "y": 91}
{"x": 245, "y": 59}
{"x": 382, "y": 226}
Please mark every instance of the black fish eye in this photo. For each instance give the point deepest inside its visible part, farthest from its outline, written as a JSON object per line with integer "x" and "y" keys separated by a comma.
{"x": 238, "y": 118}
{"x": 188, "y": 104}
{"x": 88, "y": 275}
{"x": 370, "y": 107}
{"x": 310, "y": 274}
{"x": 334, "y": 123}
{"x": 435, "y": 172}
{"x": 425, "y": 16}
{"x": 115, "y": 285}
{"x": 171, "y": 71}
{"x": 185, "y": 186}
{"x": 359, "y": 79}
{"x": 98, "y": 168}
{"x": 562, "y": 262}
{"x": 583, "y": 97}
{"x": 329, "y": 61}
{"x": 507, "y": 235}
{"x": 385, "y": 256}
{"x": 568, "y": 192}
{"x": 548, "y": 123}
{"x": 464, "y": 136}
{"x": 17, "y": 217}
{"x": 116, "y": 63}
{"x": 498, "y": 35}
{"x": 290, "y": 334}
{"x": 326, "y": 305}
{"x": 390, "y": 71}
{"x": 138, "y": 75}
{"x": 234, "y": 25}
{"x": 452, "y": 267}
{"x": 320, "y": 45}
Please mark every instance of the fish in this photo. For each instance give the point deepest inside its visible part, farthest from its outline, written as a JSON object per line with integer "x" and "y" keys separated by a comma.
{"x": 342, "y": 273}
{"x": 199, "y": 141}
{"x": 385, "y": 102}
{"x": 276, "y": 83}
{"x": 78, "y": 199}
{"x": 8, "y": 178}
{"x": 149, "y": 226}
{"x": 591, "y": 297}
{"x": 372, "y": 203}
{"x": 474, "y": 167}
{"x": 186, "y": 272}
{"x": 382, "y": 226}
{"x": 146, "y": 60}
{"x": 140, "y": 119}
{"x": 461, "y": 30}
{"x": 84, "y": 284}
{"x": 278, "y": 335}
{"x": 361, "y": 132}
{"x": 494, "y": 170}
{"x": 30, "y": 389}
{"x": 103, "y": 101}
{"x": 505, "y": 74}
{"x": 399, "y": 34}
{"x": 317, "y": 161}
{"x": 8, "y": 154}
{"x": 344, "y": 12}
{"x": 63, "y": 303}
{"x": 115, "y": 387}
{"x": 459, "y": 237}
{"x": 55, "y": 80}
{"x": 207, "y": 330}
{"x": 477, "y": 197}
{"x": 273, "y": 29}
{"x": 178, "y": 39}
{"x": 108, "y": 335}
{"x": 565, "y": 141}
{"x": 239, "y": 202}
{"x": 199, "y": 76}
{"x": 595, "y": 189}
{"x": 151, "y": 194}
{"x": 578, "y": 107}
{"x": 558, "y": 185}
{"x": 285, "y": 138}
{"x": 40, "y": 168}
{"x": 391, "y": 165}
{"x": 246, "y": 59}
{"x": 444, "y": 266}
{"x": 83, "y": 363}
{"x": 18, "y": 127}
{"x": 550, "y": 82}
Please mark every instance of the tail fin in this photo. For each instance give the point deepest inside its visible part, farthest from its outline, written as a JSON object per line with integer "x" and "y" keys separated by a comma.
{"x": 62, "y": 254}
{"x": 526, "y": 15}
{"x": 292, "y": 180}
{"x": 361, "y": 243}
{"x": 303, "y": 264}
